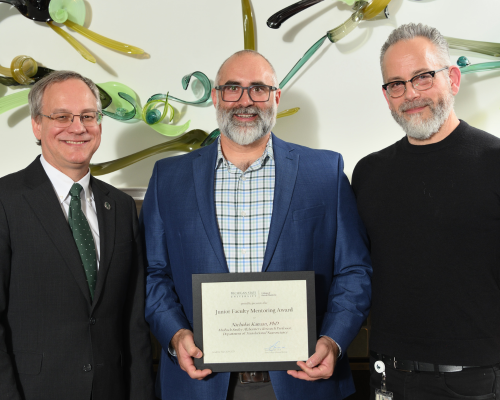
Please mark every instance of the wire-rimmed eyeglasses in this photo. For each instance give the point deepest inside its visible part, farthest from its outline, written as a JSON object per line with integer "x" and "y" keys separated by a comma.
{"x": 63, "y": 120}
{"x": 420, "y": 82}
{"x": 257, "y": 93}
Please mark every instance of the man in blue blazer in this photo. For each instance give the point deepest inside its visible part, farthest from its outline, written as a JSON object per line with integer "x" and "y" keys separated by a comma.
{"x": 251, "y": 202}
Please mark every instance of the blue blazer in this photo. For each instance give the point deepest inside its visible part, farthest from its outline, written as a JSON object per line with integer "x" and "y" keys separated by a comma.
{"x": 315, "y": 226}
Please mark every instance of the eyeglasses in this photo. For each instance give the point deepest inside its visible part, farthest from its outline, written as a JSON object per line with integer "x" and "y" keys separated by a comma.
{"x": 257, "y": 93}
{"x": 63, "y": 120}
{"x": 419, "y": 82}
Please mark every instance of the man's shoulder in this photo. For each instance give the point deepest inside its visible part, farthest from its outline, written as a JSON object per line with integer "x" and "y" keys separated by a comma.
{"x": 186, "y": 158}
{"x": 109, "y": 190}
{"x": 377, "y": 158}
{"x": 480, "y": 138}
{"x": 17, "y": 181}
{"x": 304, "y": 151}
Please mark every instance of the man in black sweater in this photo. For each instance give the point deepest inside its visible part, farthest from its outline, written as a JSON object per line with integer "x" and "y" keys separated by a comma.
{"x": 431, "y": 205}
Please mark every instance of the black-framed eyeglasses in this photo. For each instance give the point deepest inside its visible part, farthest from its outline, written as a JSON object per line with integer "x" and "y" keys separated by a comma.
{"x": 63, "y": 120}
{"x": 257, "y": 93}
{"x": 420, "y": 82}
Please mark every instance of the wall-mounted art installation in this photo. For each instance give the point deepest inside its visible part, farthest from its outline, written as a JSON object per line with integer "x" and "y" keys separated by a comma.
{"x": 466, "y": 67}
{"x": 363, "y": 10}
{"x": 72, "y": 14}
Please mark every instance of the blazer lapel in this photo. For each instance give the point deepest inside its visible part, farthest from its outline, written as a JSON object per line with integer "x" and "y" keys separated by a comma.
{"x": 106, "y": 214}
{"x": 204, "y": 175}
{"x": 43, "y": 200}
{"x": 286, "y": 164}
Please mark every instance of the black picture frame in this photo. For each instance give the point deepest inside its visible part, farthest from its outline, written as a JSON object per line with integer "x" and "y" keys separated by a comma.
{"x": 198, "y": 279}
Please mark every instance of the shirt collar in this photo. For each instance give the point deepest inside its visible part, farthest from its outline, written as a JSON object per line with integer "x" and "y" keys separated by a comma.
{"x": 62, "y": 183}
{"x": 268, "y": 152}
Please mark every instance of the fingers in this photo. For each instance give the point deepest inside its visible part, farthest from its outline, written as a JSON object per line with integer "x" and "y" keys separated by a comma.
{"x": 320, "y": 365}
{"x": 185, "y": 348}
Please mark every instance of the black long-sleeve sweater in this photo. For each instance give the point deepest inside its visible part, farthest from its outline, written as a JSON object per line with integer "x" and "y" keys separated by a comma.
{"x": 432, "y": 213}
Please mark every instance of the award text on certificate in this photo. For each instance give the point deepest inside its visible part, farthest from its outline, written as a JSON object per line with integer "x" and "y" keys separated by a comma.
{"x": 261, "y": 321}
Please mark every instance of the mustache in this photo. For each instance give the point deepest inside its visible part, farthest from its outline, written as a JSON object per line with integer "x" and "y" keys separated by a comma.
{"x": 245, "y": 110}
{"x": 408, "y": 105}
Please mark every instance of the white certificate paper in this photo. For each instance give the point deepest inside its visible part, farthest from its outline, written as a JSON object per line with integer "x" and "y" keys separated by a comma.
{"x": 261, "y": 321}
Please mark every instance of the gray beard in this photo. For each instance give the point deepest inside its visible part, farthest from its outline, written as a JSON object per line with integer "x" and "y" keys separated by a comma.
{"x": 416, "y": 126}
{"x": 244, "y": 133}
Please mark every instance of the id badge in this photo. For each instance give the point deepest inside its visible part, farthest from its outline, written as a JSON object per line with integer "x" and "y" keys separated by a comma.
{"x": 383, "y": 395}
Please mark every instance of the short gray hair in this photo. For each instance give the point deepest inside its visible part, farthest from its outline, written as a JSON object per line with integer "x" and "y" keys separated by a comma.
{"x": 240, "y": 53}
{"x": 35, "y": 96}
{"x": 411, "y": 31}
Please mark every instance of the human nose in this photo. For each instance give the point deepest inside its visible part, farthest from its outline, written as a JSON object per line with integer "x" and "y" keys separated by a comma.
{"x": 77, "y": 124}
{"x": 410, "y": 92}
{"x": 245, "y": 97}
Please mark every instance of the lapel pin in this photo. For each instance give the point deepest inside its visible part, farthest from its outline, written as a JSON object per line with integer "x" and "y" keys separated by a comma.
{"x": 107, "y": 206}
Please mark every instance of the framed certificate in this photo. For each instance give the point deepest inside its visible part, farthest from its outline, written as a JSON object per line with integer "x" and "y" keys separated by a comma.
{"x": 257, "y": 321}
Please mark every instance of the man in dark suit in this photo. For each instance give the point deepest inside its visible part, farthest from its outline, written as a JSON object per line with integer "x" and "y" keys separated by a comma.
{"x": 71, "y": 278}
{"x": 251, "y": 202}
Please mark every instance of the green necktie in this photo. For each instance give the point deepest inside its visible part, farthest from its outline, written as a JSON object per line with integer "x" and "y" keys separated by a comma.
{"x": 83, "y": 236}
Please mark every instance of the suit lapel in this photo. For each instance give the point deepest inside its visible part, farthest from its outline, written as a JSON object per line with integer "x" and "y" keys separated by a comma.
{"x": 286, "y": 164}
{"x": 43, "y": 200}
{"x": 204, "y": 175}
{"x": 106, "y": 214}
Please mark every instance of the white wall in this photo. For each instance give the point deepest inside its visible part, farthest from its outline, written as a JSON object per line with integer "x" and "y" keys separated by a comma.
{"x": 338, "y": 91}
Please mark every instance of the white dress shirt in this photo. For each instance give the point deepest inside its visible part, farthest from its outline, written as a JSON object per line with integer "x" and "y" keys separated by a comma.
{"x": 62, "y": 184}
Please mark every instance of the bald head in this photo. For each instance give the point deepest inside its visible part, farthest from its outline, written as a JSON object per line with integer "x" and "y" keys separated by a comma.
{"x": 245, "y": 56}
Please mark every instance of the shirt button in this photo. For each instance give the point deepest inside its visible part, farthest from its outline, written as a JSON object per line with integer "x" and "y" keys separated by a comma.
{"x": 92, "y": 321}
{"x": 243, "y": 177}
{"x": 87, "y": 368}
{"x": 243, "y": 251}
{"x": 243, "y": 214}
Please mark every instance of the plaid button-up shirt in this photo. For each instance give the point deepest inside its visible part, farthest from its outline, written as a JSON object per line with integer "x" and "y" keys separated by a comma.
{"x": 244, "y": 206}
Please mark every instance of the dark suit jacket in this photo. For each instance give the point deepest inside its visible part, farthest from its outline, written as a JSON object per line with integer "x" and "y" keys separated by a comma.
{"x": 315, "y": 226}
{"x": 54, "y": 343}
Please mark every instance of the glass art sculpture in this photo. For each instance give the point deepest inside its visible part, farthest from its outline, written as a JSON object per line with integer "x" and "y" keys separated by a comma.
{"x": 248, "y": 28}
{"x": 362, "y": 11}
{"x": 466, "y": 67}
{"x": 188, "y": 142}
{"x": 72, "y": 14}
{"x": 21, "y": 70}
{"x": 281, "y": 16}
{"x": 488, "y": 48}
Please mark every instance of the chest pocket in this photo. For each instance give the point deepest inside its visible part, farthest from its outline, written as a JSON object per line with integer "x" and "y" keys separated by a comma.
{"x": 313, "y": 212}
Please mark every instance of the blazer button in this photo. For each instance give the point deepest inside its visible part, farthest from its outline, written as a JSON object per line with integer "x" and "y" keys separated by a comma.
{"x": 92, "y": 321}
{"x": 87, "y": 368}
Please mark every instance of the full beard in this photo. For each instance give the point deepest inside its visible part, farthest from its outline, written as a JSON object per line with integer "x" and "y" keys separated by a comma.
{"x": 243, "y": 132}
{"x": 418, "y": 127}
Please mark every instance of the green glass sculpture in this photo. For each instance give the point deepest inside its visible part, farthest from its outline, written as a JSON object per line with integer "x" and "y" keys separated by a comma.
{"x": 62, "y": 10}
{"x": 248, "y": 28}
{"x": 466, "y": 67}
{"x": 212, "y": 137}
{"x": 188, "y": 142}
{"x": 21, "y": 70}
{"x": 13, "y": 100}
{"x": 127, "y": 108}
{"x": 362, "y": 11}
{"x": 207, "y": 86}
{"x": 309, "y": 53}
{"x": 488, "y": 48}
{"x": 281, "y": 16}
{"x": 38, "y": 10}
{"x": 73, "y": 42}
